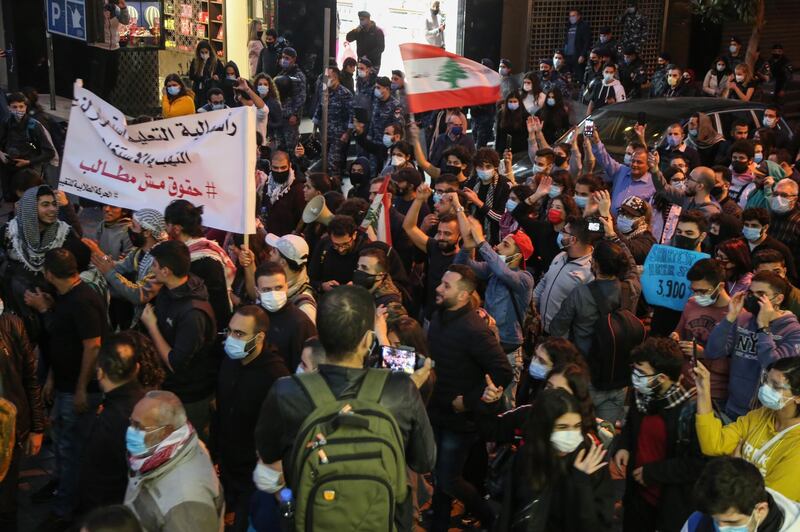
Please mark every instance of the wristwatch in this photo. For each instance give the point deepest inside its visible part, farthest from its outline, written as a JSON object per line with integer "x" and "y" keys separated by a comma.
{"x": 460, "y": 209}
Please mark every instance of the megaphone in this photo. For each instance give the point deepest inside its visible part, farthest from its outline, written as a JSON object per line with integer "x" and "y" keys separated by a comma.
{"x": 317, "y": 211}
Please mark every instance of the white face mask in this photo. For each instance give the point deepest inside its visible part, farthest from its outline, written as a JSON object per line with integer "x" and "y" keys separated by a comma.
{"x": 556, "y": 63}
{"x": 527, "y": 86}
{"x": 566, "y": 441}
{"x": 551, "y": 102}
{"x": 739, "y": 78}
{"x": 267, "y": 479}
{"x": 398, "y": 160}
{"x": 608, "y": 78}
{"x": 273, "y": 301}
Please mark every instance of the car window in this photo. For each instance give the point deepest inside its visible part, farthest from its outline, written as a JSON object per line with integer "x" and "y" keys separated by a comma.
{"x": 728, "y": 118}
{"x": 782, "y": 125}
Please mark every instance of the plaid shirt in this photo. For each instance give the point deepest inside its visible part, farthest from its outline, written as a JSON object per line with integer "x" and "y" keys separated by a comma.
{"x": 786, "y": 228}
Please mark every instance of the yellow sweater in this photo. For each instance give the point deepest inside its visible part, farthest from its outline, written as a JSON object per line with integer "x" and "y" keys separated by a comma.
{"x": 182, "y": 105}
{"x": 780, "y": 465}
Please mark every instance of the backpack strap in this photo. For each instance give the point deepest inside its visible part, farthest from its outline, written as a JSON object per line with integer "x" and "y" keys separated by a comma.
{"x": 599, "y": 299}
{"x": 316, "y": 388}
{"x": 372, "y": 386}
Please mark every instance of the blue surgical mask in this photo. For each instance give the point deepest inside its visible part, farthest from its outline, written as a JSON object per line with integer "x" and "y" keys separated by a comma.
{"x": 628, "y": 159}
{"x": 555, "y": 191}
{"x": 377, "y": 92}
{"x": 134, "y": 441}
{"x": 551, "y": 102}
{"x": 573, "y": 20}
{"x": 231, "y": 78}
{"x": 485, "y": 175}
{"x": 262, "y": 90}
{"x": 625, "y": 224}
{"x": 758, "y": 157}
{"x": 387, "y": 140}
{"x": 751, "y": 233}
{"x": 537, "y": 169}
{"x": 513, "y": 106}
{"x": 394, "y": 86}
{"x": 217, "y": 106}
{"x": 560, "y": 241}
{"x": 511, "y": 205}
{"x": 456, "y": 131}
{"x": 285, "y": 63}
{"x": 642, "y": 383}
{"x": 537, "y": 370}
{"x": 771, "y": 398}
{"x": 673, "y": 141}
{"x": 172, "y": 90}
{"x": 238, "y": 349}
{"x": 581, "y": 201}
{"x": 706, "y": 300}
{"x": 437, "y": 197}
{"x": 735, "y": 528}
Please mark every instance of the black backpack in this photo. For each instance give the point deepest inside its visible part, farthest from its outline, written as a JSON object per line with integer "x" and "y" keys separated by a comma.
{"x": 616, "y": 332}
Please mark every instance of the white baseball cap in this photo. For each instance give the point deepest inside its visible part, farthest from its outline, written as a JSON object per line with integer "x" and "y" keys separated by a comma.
{"x": 292, "y": 247}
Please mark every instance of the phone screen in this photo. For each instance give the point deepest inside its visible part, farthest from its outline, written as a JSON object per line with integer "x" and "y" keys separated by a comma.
{"x": 588, "y": 127}
{"x": 398, "y": 359}
{"x": 509, "y": 141}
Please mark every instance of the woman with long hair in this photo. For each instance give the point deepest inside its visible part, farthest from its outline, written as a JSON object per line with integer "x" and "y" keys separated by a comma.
{"x": 511, "y": 121}
{"x": 718, "y": 78}
{"x": 558, "y": 469}
{"x": 266, "y": 88}
{"x": 734, "y": 256}
{"x": 554, "y": 116}
{"x": 205, "y": 71}
{"x": 576, "y": 379}
{"x": 743, "y": 87}
{"x": 255, "y": 43}
{"x": 176, "y": 100}
{"x": 532, "y": 95}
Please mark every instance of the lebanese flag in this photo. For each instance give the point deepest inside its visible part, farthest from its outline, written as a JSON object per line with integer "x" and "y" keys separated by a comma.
{"x": 436, "y": 79}
{"x": 377, "y": 218}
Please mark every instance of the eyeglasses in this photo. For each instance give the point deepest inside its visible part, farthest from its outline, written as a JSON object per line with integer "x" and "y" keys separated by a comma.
{"x": 772, "y": 384}
{"x": 341, "y": 246}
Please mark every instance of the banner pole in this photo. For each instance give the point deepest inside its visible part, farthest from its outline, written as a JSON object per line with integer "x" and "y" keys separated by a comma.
{"x": 326, "y": 53}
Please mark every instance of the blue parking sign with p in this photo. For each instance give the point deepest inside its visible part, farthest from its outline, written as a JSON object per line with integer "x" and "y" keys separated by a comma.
{"x": 67, "y": 18}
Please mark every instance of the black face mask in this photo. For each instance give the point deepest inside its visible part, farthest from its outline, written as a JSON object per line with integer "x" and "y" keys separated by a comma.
{"x": 137, "y": 239}
{"x": 560, "y": 159}
{"x": 544, "y": 74}
{"x": 751, "y": 304}
{"x": 364, "y": 279}
{"x": 739, "y": 167}
{"x": 684, "y": 242}
{"x": 455, "y": 170}
{"x": 356, "y": 178}
{"x": 446, "y": 247}
{"x": 717, "y": 192}
{"x": 280, "y": 177}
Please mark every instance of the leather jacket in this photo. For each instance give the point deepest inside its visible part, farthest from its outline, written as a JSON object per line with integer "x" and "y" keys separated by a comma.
{"x": 18, "y": 372}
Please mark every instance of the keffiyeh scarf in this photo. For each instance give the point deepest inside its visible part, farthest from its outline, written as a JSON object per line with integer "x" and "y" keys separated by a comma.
{"x": 28, "y": 244}
{"x": 164, "y": 451}
{"x": 674, "y": 396}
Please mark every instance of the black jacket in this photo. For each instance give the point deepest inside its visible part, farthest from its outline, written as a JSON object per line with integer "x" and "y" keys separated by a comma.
{"x": 104, "y": 467}
{"x": 370, "y": 43}
{"x": 583, "y": 38}
{"x": 287, "y": 406}
{"x": 241, "y": 390}
{"x": 186, "y": 322}
{"x": 268, "y": 61}
{"x": 289, "y": 328}
{"x": 26, "y": 139}
{"x": 18, "y": 374}
{"x": 677, "y": 473}
{"x": 465, "y": 350}
{"x": 212, "y": 274}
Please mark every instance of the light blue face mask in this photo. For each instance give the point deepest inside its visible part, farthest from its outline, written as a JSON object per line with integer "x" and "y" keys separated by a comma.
{"x": 511, "y": 205}
{"x": 377, "y": 92}
{"x": 758, "y": 157}
{"x": 751, "y": 233}
{"x": 555, "y": 191}
{"x": 238, "y": 349}
{"x": 735, "y": 528}
{"x": 485, "y": 175}
{"x": 625, "y": 224}
{"x": 581, "y": 201}
{"x": 771, "y": 398}
{"x": 387, "y": 140}
{"x": 172, "y": 90}
{"x": 437, "y": 197}
{"x": 537, "y": 370}
{"x": 134, "y": 441}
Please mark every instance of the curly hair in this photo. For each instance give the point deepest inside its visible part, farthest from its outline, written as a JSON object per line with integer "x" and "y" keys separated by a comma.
{"x": 151, "y": 370}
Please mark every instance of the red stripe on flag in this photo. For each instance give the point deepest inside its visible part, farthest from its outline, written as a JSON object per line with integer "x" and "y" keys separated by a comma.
{"x": 411, "y": 51}
{"x": 428, "y": 101}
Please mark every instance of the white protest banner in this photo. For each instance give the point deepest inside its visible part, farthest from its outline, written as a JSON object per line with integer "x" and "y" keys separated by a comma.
{"x": 664, "y": 281}
{"x": 208, "y": 159}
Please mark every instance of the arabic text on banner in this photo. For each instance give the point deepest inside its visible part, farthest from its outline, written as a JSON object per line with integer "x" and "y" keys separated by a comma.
{"x": 208, "y": 159}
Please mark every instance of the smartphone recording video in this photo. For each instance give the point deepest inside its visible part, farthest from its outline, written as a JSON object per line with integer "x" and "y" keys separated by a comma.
{"x": 398, "y": 359}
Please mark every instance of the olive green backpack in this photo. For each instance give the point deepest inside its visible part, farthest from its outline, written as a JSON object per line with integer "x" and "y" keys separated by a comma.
{"x": 348, "y": 470}
{"x": 8, "y": 424}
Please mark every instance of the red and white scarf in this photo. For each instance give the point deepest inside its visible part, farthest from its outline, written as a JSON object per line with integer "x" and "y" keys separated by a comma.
{"x": 202, "y": 247}
{"x": 164, "y": 451}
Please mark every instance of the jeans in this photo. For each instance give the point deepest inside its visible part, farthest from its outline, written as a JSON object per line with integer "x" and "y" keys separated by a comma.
{"x": 609, "y": 405}
{"x": 515, "y": 359}
{"x": 9, "y": 489}
{"x": 452, "y": 451}
{"x": 72, "y": 430}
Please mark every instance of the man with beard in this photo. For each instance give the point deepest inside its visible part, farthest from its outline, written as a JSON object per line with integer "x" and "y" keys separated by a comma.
{"x": 282, "y": 200}
{"x": 696, "y": 194}
{"x": 466, "y": 352}
{"x": 440, "y": 250}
